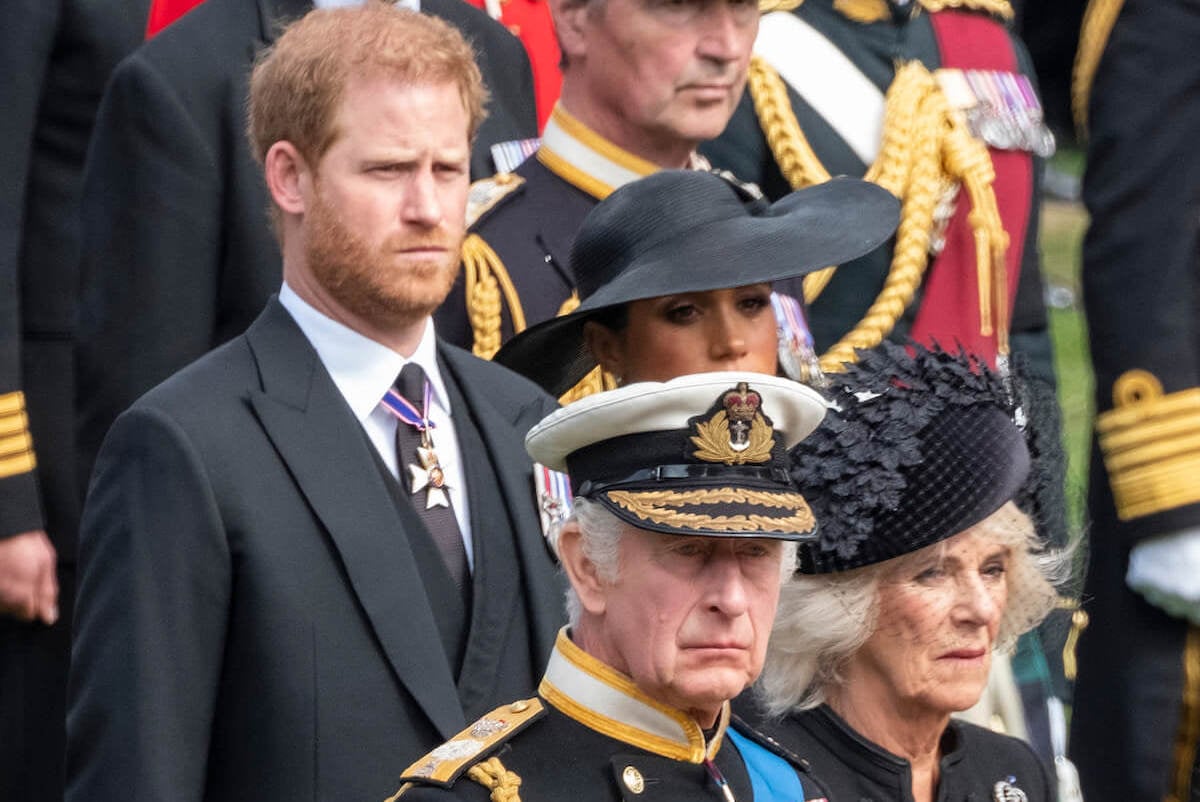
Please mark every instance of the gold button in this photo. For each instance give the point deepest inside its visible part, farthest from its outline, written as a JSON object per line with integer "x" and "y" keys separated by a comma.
{"x": 633, "y": 780}
{"x": 519, "y": 707}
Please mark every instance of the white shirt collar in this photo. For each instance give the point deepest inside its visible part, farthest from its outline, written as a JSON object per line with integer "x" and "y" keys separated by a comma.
{"x": 362, "y": 368}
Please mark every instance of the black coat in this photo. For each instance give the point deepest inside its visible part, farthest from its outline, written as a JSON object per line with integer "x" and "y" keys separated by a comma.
{"x": 851, "y": 767}
{"x": 55, "y": 56}
{"x": 253, "y": 619}
{"x": 178, "y": 252}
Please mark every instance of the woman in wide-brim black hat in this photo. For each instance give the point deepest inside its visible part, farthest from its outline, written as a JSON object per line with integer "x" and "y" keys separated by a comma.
{"x": 675, "y": 272}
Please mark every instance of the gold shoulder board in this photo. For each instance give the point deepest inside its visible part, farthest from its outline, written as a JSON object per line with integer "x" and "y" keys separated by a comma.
{"x": 445, "y": 764}
{"x": 487, "y": 193}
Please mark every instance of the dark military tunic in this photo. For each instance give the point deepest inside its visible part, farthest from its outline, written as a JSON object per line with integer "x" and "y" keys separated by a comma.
{"x": 1136, "y": 721}
{"x": 873, "y": 48}
{"x": 974, "y": 760}
{"x": 516, "y": 260}
{"x": 590, "y": 736}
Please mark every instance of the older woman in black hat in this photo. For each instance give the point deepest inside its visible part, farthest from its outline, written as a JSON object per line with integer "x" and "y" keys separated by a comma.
{"x": 675, "y": 275}
{"x": 924, "y": 566}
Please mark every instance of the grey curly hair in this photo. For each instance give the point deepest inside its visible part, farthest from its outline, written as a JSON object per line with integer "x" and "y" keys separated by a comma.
{"x": 824, "y": 619}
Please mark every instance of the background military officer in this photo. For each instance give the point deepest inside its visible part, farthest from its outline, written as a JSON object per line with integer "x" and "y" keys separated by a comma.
{"x": 644, "y": 83}
{"x": 675, "y": 553}
{"x": 1136, "y": 722}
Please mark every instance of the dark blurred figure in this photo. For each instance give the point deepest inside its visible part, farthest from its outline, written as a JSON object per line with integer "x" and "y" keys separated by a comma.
{"x": 1051, "y": 32}
{"x": 1136, "y": 717}
{"x": 55, "y": 56}
{"x": 178, "y": 251}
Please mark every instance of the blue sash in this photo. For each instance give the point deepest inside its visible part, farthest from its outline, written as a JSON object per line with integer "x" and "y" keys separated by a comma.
{"x": 772, "y": 778}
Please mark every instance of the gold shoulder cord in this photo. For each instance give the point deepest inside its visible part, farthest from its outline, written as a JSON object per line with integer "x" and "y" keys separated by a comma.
{"x": 486, "y": 279}
{"x": 1098, "y": 23}
{"x": 505, "y": 785}
{"x": 926, "y": 148}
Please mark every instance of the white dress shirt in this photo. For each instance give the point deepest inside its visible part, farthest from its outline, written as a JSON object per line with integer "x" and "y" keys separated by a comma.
{"x": 363, "y": 371}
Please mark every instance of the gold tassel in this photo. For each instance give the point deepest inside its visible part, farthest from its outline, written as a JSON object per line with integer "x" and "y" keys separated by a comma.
{"x": 925, "y": 145}
{"x": 505, "y": 785}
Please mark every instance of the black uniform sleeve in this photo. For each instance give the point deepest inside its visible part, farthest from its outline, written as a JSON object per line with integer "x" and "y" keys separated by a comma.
{"x": 27, "y": 32}
{"x": 1141, "y": 264}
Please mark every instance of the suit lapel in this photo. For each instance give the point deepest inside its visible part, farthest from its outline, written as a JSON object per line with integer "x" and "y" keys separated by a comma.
{"x": 325, "y": 450}
{"x": 505, "y": 442}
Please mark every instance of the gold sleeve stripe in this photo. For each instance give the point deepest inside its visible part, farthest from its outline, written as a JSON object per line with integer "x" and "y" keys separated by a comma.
{"x": 18, "y": 464}
{"x": 13, "y": 423}
{"x": 12, "y": 402}
{"x": 15, "y": 444}
{"x": 1097, "y": 26}
{"x": 1151, "y": 446}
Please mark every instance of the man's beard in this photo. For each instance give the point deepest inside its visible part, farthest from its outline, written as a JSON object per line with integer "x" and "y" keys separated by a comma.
{"x": 380, "y": 285}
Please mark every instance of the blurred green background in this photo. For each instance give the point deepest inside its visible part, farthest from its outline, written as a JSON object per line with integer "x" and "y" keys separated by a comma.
{"x": 1063, "y": 225}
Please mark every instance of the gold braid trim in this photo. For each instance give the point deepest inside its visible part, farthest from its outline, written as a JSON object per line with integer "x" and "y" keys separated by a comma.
{"x": 1098, "y": 23}
{"x": 998, "y": 8}
{"x": 864, "y": 11}
{"x": 486, "y": 279}
{"x": 1188, "y": 733}
{"x": 504, "y": 784}
{"x": 926, "y": 145}
{"x": 662, "y": 507}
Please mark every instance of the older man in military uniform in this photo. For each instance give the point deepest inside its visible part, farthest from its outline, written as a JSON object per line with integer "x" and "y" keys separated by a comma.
{"x": 675, "y": 554}
{"x": 644, "y": 83}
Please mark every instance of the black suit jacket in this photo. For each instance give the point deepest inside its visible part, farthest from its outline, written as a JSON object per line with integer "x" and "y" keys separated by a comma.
{"x": 252, "y": 624}
{"x": 178, "y": 252}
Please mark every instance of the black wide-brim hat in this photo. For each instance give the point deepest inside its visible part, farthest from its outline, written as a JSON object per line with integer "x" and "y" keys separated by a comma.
{"x": 703, "y": 454}
{"x": 692, "y": 231}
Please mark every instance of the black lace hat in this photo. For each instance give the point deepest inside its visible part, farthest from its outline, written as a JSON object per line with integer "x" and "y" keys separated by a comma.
{"x": 691, "y": 231}
{"x": 918, "y": 445}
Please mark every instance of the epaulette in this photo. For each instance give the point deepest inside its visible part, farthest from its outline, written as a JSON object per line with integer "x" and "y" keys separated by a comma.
{"x": 445, "y": 764}
{"x": 487, "y": 193}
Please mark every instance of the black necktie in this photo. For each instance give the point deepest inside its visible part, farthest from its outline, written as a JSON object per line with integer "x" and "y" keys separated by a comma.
{"x": 419, "y": 469}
